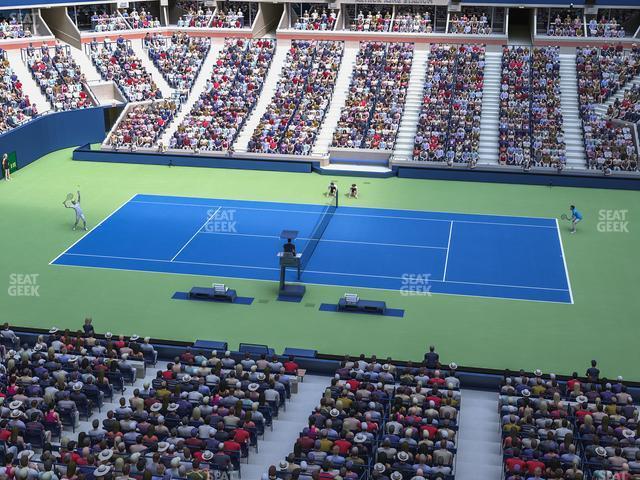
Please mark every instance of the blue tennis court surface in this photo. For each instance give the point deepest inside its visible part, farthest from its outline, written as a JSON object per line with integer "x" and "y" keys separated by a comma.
{"x": 415, "y": 252}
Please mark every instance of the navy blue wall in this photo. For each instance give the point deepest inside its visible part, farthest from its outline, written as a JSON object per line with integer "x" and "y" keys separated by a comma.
{"x": 52, "y": 132}
{"x": 84, "y": 153}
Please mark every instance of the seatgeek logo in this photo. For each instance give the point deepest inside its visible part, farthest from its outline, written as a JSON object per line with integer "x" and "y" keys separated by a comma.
{"x": 24, "y": 285}
{"x": 416, "y": 284}
{"x": 613, "y": 221}
{"x": 222, "y": 220}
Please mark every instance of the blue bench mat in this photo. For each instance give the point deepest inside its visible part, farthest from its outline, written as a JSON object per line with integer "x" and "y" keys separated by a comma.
{"x": 288, "y": 298}
{"x": 391, "y": 312}
{"x": 238, "y": 301}
{"x": 299, "y": 352}
{"x": 211, "y": 345}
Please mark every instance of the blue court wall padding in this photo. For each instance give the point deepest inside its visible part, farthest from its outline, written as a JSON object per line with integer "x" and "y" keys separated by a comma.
{"x": 84, "y": 153}
{"x": 52, "y": 132}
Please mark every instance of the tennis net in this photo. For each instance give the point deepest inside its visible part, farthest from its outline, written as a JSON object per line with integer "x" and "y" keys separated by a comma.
{"x": 325, "y": 217}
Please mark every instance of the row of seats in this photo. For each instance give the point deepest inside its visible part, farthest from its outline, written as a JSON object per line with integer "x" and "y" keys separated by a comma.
{"x": 141, "y": 19}
{"x": 117, "y": 61}
{"x": 316, "y": 20}
{"x": 606, "y": 27}
{"x": 377, "y": 93}
{"x": 13, "y": 29}
{"x": 202, "y": 414}
{"x": 15, "y": 107}
{"x": 143, "y": 124}
{"x": 585, "y": 428}
{"x": 473, "y": 24}
{"x": 303, "y": 94}
{"x": 449, "y": 122}
{"x": 59, "y": 77}
{"x": 601, "y": 73}
{"x": 178, "y": 58}
{"x": 627, "y": 108}
{"x": 108, "y": 22}
{"x": 230, "y": 95}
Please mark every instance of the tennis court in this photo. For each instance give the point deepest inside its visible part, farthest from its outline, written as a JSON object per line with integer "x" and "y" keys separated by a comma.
{"x": 415, "y": 252}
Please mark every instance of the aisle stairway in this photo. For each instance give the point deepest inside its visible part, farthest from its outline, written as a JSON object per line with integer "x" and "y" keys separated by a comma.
{"x": 489, "y": 119}
{"x": 268, "y": 89}
{"x": 29, "y": 85}
{"x": 479, "y": 442}
{"x": 86, "y": 67}
{"x": 287, "y": 427}
{"x": 147, "y": 63}
{"x": 196, "y": 90}
{"x": 571, "y": 122}
{"x": 340, "y": 92}
{"x": 409, "y": 125}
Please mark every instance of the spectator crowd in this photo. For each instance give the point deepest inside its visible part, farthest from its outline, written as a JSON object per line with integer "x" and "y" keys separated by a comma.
{"x": 229, "y": 96}
{"x": 449, "y": 122}
{"x": 178, "y": 58}
{"x": 143, "y": 124}
{"x": 58, "y": 76}
{"x": 15, "y": 107}
{"x": 303, "y": 94}
{"x": 117, "y": 61}
{"x": 315, "y": 19}
{"x": 377, "y": 93}
{"x": 601, "y": 73}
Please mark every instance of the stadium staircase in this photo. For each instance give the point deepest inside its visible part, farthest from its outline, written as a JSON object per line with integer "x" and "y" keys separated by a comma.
{"x": 268, "y": 89}
{"x": 86, "y": 67}
{"x": 147, "y": 63}
{"x": 29, "y": 85}
{"x": 603, "y": 107}
{"x": 488, "y": 154}
{"x": 340, "y": 92}
{"x": 198, "y": 87}
{"x": 571, "y": 123}
{"x": 415, "y": 90}
{"x": 479, "y": 442}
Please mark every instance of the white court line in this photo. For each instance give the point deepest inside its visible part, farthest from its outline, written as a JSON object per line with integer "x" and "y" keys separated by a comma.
{"x": 163, "y": 272}
{"x": 92, "y": 229}
{"x": 197, "y": 232}
{"x": 564, "y": 261}
{"x": 353, "y": 214}
{"x": 316, "y": 205}
{"x": 322, "y": 239}
{"x": 313, "y": 271}
{"x": 446, "y": 260}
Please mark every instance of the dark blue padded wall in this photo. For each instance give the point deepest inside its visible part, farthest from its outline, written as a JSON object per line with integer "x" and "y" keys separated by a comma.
{"x": 52, "y": 132}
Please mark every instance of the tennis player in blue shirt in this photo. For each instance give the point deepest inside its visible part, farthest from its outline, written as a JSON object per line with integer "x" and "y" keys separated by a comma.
{"x": 576, "y": 217}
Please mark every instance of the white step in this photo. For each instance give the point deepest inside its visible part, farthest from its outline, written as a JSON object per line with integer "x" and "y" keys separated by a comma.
{"x": 572, "y": 125}
{"x": 415, "y": 90}
{"x": 85, "y": 64}
{"x": 29, "y": 85}
{"x": 489, "y": 118}
{"x": 340, "y": 91}
{"x": 479, "y": 442}
{"x": 146, "y": 62}
{"x": 268, "y": 89}
{"x": 198, "y": 86}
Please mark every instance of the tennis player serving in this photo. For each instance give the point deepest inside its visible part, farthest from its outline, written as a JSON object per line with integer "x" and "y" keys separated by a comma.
{"x": 75, "y": 204}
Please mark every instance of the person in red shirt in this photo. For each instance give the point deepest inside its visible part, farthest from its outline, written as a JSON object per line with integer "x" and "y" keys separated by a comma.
{"x": 241, "y": 436}
{"x": 515, "y": 463}
{"x": 291, "y": 367}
